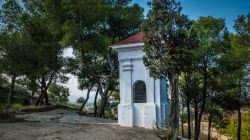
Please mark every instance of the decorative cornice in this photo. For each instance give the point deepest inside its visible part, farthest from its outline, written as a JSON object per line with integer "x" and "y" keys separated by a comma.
{"x": 128, "y": 47}
{"x": 130, "y": 59}
{"x": 127, "y": 67}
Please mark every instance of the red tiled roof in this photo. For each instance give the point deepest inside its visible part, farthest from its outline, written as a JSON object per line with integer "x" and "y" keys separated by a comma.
{"x": 136, "y": 38}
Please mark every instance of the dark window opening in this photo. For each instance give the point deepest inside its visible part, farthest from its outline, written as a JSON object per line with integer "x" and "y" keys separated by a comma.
{"x": 140, "y": 92}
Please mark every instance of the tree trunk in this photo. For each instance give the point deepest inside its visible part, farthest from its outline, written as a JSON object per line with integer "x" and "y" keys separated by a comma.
{"x": 46, "y": 97}
{"x": 195, "y": 116}
{"x": 189, "y": 119}
{"x": 12, "y": 86}
{"x": 104, "y": 91}
{"x": 102, "y": 106}
{"x": 182, "y": 121}
{"x": 174, "y": 105}
{"x": 182, "y": 128}
{"x": 209, "y": 126}
{"x": 32, "y": 96}
{"x": 239, "y": 124}
{"x": 95, "y": 105}
{"x": 104, "y": 97}
{"x": 40, "y": 98}
{"x": 203, "y": 105}
{"x": 86, "y": 100}
{"x": 44, "y": 89}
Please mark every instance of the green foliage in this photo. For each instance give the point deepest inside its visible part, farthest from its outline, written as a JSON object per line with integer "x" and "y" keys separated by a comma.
{"x": 230, "y": 127}
{"x": 233, "y": 69}
{"x": 164, "y": 133}
{"x": 10, "y": 14}
{"x": 17, "y": 106}
{"x": 112, "y": 106}
{"x": 80, "y": 100}
{"x": 165, "y": 34}
{"x": 184, "y": 117}
{"x": 242, "y": 25}
{"x": 14, "y": 50}
{"x": 166, "y": 50}
{"x": 6, "y": 114}
{"x": 3, "y": 81}
{"x": 13, "y": 45}
{"x": 91, "y": 40}
{"x": 21, "y": 99}
{"x": 44, "y": 35}
{"x": 59, "y": 93}
{"x": 90, "y": 33}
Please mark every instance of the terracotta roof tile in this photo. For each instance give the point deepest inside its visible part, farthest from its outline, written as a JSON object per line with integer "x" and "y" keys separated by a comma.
{"x": 136, "y": 38}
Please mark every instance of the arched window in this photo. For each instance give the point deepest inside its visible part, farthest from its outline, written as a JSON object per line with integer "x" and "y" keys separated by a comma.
{"x": 140, "y": 95}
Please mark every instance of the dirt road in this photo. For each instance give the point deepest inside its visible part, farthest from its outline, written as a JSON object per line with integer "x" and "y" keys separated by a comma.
{"x": 67, "y": 125}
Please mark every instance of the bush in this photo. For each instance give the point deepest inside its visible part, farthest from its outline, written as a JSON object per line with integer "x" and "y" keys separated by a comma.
{"x": 17, "y": 107}
{"x": 231, "y": 127}
{"x": 22, "y": 100}
{"x": 164, "y": 133}
{"x": 26, "y": 102}
{"x": 111, "y": 113}
{"x": 6, "y": 113}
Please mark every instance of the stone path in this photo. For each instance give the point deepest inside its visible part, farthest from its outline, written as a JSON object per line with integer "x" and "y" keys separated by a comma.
{"x": 64, "y": 116}
{"x": 62, "y": 124}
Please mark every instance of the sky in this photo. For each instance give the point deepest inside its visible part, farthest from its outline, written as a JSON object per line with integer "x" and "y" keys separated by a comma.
{"x": 227, "y": 9}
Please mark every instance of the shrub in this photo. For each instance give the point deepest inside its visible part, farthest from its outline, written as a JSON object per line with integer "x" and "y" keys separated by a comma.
{"x": 231, "y": 127}
{"x": 22, "y": 100}
{"x": 111, "y": 113}
{"x": 26, "y": 102}
{"x": 6, "y": 113}
{"x": 17, "y": 106}
{"x": 162, "y": 132}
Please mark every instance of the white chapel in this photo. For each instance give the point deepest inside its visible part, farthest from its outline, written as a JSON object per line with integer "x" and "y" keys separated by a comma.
{"x": 143, "y": 100}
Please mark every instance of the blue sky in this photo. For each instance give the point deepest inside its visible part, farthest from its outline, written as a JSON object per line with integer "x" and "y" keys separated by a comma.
{"x": 227, "y": 9}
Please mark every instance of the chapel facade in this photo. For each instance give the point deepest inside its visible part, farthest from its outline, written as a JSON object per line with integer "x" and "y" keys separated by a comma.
{"x": 143, "y": 100}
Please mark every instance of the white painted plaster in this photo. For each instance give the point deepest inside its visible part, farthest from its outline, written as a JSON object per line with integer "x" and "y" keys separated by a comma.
{"x": 132, "y": 69}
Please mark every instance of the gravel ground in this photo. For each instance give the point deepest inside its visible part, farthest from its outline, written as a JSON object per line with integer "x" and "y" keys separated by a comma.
{"x": 62, "y": 124}
{"x": 64, "y": 116}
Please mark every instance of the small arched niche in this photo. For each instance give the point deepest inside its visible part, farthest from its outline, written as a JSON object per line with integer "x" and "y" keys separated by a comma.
{"x": 139, "y": 92}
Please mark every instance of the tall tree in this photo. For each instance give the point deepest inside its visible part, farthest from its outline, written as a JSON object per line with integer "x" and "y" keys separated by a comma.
{"x": 59, "y": 93}
{"x": 121, "y": 21}
{"x": 165, "y": 34}
{"x": 210, "y": 32}
{"x": 189, "y": 90}
{"x": 30, "y": 82}
{"x": 214, "y": 115}
{"x": 13, "y": 43}
{"x": 189, "y": 78}
{"x": 234, "y": 71}
{"x": 92, "y": 32}
{"x": 45, "y": 35}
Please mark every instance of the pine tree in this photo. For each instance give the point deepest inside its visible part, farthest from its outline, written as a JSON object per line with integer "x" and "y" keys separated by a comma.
{"x": 165, "y": 34}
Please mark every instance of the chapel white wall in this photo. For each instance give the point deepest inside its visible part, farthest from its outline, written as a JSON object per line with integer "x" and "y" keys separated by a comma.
{"x": 137, "y": 114}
